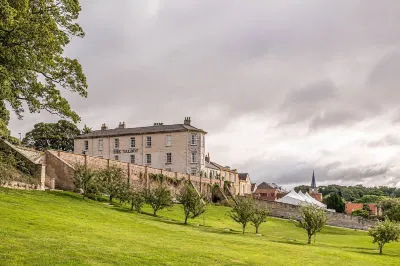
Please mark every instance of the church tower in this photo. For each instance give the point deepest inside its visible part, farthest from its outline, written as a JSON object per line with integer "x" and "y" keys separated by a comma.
{"x": 314, "y": 189}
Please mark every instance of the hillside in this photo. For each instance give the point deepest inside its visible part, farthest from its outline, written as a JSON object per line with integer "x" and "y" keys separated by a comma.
{"x": 59, "y": 228}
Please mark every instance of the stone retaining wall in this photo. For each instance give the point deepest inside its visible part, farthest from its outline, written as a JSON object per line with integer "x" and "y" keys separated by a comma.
{"x": 288, "y": 211}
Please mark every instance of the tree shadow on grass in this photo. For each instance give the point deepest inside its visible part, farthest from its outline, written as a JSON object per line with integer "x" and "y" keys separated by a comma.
{"x": 376, "y": 253}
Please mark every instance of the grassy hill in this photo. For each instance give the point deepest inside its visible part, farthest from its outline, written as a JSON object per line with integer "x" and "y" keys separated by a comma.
{"x": 59, "y": 228}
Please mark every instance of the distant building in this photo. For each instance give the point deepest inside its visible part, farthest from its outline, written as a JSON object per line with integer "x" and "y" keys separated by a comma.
{"x": 244, "y": 184}
{"x": 351, "y": 207}
{"x": 269, "y": 191}
{"x": 314, "y": 189}
{"x": 177, "y": 148}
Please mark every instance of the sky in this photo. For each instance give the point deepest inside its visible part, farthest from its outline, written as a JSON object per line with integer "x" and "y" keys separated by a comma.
{"x": 283, "y": 87}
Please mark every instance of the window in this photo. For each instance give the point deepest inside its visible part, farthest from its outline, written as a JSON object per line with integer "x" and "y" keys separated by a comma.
{"x": 193, "y": 139}
{"x": 86, "y": 145}
{"x": 100, "y": 145}
{"x": 193, "y": 171}
{"x": 133, "y": 142}
{"x": 194, "y": 157}
{"x": 148, "y": 141}
{"x": 116, "y": 157}
{"x": 132, "y": 158}
{"x": 169, "y": 158}
{"x": 116, "y": 143}
{"x": 168, "y": 141}
{"x": 148, "y": 158}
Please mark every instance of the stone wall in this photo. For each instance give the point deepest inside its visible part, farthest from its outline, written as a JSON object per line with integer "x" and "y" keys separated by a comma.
{"x": 288, "y": 211}
{"x": 60, "y": 167}
{"x": 35, "y": 169}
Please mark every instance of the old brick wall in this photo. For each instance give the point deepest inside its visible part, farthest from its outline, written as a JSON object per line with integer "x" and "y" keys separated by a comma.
{"x": 288, "y": 211}
{"x": 58, "y": 171}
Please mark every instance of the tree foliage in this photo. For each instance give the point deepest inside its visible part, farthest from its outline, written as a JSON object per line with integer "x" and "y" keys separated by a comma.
{"x": 83, "y": 179}
{"x": 242, "y": 211}
{"x": 33, "y": 35}
{"x": 86, "y": 129}
{"x": 364, "y": 212}
{"x": 191, "y": 201}
{"x": 335, "y": 202}
{"x": 384, "y": 232}
{"x": 158, "y": 198}
{"x": 354, "y": 193}
{"x": 112, "y": 181}
{"x": 391, "y": 209}
{"x": 138, "y": 199}
{"x": 312, "y": 220}
{"x": 58, "y": 136}
{"x": 259, "y": 216}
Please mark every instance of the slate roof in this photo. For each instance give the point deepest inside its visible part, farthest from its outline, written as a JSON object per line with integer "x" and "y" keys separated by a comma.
{"x": 243, "y": 176}
{"x": 265, "y": 185}
{"x": 140, "y": 131}
{"x": 211, "y": 166}
{"x": 223, "y": 167}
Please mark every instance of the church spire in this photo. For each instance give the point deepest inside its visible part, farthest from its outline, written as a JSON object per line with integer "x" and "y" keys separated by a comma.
{"x": 313, "y": 183}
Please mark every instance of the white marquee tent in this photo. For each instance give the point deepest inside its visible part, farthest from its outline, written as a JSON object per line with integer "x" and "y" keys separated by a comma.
{"x": 299, "y": 199}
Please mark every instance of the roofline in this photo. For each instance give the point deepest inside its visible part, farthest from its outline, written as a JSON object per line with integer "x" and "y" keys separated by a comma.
{"x": 142, "y": 133}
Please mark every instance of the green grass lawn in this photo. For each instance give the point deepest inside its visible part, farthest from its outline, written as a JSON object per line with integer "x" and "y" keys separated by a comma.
{"x": 59, "y": 228}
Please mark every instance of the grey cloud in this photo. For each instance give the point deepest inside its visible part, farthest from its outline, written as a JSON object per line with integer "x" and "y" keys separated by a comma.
{"x": 388, "y": 140}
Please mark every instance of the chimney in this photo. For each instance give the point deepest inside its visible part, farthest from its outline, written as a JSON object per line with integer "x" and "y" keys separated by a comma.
{"x": 186, "y": 121}
{"x": 121, "y": 125}
{"x": 104, "y": 127}
{"x": 207, "y": 158}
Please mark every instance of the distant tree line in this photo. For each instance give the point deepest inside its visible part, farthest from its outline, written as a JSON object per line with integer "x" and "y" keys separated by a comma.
{"x": 354, "y": 193}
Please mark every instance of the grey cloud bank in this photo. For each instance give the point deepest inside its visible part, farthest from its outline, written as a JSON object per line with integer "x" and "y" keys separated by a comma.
{"x": 311, "y": 79}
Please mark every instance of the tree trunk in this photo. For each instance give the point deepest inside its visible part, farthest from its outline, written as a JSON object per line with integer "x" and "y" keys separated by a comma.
{"x": 110, "y": 198}
{"x": 309, "y": 239}
{"x": 154, "y": 213}
{"x": 244, "y": 227}
{"x": 380, "y": 249}
{"x": 186, "y": 218}
{"x": 132, "y": 206}
{"x": 257, "y": 229}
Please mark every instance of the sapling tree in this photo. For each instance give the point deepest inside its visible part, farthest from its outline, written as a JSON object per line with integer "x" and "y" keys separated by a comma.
{"x": 193, "y": 205}
{"x": 259, "y": 216}
{"x": 158, "y": 198}
{"x": 384, "y": 232}
{"x": 137, "y": 197}
{"x": 242, "y": 211}
{"x": 82, "y": 178}
{"x": 112, "y": 181}
{"x": 312, "y": 220}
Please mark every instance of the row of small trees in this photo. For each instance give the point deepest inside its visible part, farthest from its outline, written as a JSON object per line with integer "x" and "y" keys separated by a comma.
{"x": 111, "y": 182}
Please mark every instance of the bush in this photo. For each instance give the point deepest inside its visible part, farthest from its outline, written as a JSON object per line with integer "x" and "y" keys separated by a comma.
{"x": 112, "y": 181}
{"x": 83, "y": 178}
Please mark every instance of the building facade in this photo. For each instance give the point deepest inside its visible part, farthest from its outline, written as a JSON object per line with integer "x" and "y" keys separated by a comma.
{"x": 269, "y": 191}
{"x": 244, "y": 184}
{"x": 177, "y": 148}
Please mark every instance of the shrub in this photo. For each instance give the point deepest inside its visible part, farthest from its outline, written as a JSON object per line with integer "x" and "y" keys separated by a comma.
{"x": 312, "y": 220}
{"x": 191, "y": 201}
{"x": 384, "y": 232}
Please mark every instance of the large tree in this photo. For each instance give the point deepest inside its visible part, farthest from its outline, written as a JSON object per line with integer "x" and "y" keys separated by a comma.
{"x": 33, "y": 69}
{"x": 335, "y": 202}
{"x": 58, "y": 136}
{"x": 312, "y": 220}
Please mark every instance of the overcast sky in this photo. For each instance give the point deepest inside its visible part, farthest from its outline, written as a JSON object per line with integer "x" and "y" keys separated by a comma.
{"x": 282, "y": 87}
